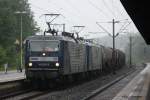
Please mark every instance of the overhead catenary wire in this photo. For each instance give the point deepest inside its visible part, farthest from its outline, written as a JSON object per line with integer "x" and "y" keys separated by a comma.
{"x": 78, "y": 15}
{"x": 71, "y": 12}
{"x": 122, "y": 27}
{"x": 125, "y": 27}
{"x": 103, "y": 29}
{"x": 113, "y": 9}
{"x": 78, "y": 12}
{"x": 42, "y": 9}
{"x": 118, "y": 10}
{"x": 107, "y": 7}
{"x": 100, "y": 10}
{"x": 72, "y": 6}
{"x": 56, "y": 6}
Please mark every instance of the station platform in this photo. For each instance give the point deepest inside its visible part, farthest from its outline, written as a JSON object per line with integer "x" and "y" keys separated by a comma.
{"x": 138, "y": 88}
{"x": 11, "y": 76}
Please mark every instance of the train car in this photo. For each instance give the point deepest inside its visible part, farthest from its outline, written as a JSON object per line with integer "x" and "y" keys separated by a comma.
{"x": 56, "y": 56}
{"x": 120, "y": 59}
{"x": 107, "y": 59}
{"x": 95, "y": 57}
{"x": 43, "y": 57}
{"x": 49, "y": 57}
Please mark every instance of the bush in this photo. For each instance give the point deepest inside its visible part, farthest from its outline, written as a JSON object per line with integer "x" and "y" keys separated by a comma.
{"x": 3, "y": 56}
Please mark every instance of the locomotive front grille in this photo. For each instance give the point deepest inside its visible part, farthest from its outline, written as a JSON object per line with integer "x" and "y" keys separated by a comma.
{"x": 42, "y": 69}
{"x": 43, "y": 58}
{"x": 40, "y": 64}
{"x": 43, "y": 66}
{"x": 43, "y": 62}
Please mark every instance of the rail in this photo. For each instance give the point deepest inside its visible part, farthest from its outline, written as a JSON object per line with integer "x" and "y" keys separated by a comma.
{"x": 103, "y": 88}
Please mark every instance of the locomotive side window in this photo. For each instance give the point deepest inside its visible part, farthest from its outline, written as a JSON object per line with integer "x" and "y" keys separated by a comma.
{"x": 44, "y": 45}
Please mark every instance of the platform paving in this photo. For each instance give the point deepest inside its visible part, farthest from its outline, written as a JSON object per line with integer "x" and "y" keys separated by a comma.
{"x": 13, "y": 75}
{"x": 138, "y": 88}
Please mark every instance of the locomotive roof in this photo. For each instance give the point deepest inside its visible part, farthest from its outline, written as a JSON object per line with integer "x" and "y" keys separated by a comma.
{"x": 49, "y": 37}
{"x": 59, "y": 37}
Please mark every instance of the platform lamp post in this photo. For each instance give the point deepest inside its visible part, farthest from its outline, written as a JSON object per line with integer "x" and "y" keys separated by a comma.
{"x": 20, "y": 13}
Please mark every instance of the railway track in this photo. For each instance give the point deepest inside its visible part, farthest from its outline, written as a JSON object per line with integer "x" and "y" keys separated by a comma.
{"x": 79, "y": 92}
{"x": 24, "y": 94}
{"x": 28, "y": 95}
{"x": 11, "y": 88}
{"x": 9, "y": 95}
{"x": 32, "y": 93}
{"x": 105, "y": 87}
{"x": 72, "y": 92}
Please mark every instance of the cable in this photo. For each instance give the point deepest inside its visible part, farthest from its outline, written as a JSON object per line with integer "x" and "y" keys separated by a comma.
{"x": 39, "y": 8}
{"x": 78, "y": 13}
{"x": 79, "y": 16}
{"x": 125, "y": 26}
{"x": 50, "y": 12}
{"x": 71, "y": 5}
{"x": 66, "y": 11}
{"x": 106, "y": 6}
{"x": 117, "y": 9}
{"x": 100, "y": 10}
{"x": 103, "y": 29}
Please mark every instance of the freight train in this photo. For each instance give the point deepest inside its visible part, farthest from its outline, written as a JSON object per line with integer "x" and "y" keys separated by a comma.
{"x": 63, "y": 56}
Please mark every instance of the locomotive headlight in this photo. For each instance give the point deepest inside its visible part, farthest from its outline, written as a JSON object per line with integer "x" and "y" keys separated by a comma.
{"x": 43, "y": 54}
{"x": 30, "y": 64}
{"x": 57, "y": 64}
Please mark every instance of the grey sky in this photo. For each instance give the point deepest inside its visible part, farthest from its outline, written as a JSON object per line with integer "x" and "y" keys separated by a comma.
{"x": 82, "y": 12}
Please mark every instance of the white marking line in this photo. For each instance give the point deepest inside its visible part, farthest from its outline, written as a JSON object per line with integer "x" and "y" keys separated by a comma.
{"x": 131, "y": 94}
{"x": 135, "y": 87}
{"x": 141, "y": 79}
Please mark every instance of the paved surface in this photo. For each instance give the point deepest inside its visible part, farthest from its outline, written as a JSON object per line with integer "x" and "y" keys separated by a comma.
{"x": 11, "y": 76}
{"x": 111, "y": 92}
{"x": 137, "y": 89}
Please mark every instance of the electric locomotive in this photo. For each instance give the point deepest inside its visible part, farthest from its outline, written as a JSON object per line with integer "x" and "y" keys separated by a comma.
{"x": 52, "y": 56}
{"x": 42, "y": 55}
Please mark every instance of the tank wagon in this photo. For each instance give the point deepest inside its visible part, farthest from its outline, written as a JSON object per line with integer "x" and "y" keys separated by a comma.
{"x": 56, "y": 56}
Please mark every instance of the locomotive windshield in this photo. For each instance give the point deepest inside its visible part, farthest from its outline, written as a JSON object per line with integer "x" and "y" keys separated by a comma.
{"x": 44, "y": 45}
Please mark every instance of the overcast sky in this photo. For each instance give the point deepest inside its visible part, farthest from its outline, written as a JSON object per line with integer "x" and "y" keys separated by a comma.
{"x": 82, "y": 12}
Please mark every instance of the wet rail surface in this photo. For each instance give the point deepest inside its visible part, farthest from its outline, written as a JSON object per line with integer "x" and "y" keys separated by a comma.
{"x": 113, "y": 90}
{"x": 105, "y": 87}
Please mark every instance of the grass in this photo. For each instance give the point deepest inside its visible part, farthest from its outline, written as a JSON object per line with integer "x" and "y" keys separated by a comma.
{"x": 1, "y": 68}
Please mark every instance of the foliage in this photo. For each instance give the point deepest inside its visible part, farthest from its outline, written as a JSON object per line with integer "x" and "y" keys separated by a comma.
{"x": 10, "y": 25}
{"x": 3, "y": 57}
{"x": 140, "y": 50}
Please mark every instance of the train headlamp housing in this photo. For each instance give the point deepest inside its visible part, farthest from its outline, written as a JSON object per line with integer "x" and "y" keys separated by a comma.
{"x": 57, "y": 64}
{"x": 43, "y": 54}
{"x": 30, "y": 64}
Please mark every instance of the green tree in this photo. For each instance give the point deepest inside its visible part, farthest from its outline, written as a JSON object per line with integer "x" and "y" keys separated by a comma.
{"x": 10, "y": 27}
{"x": 3, "y": 57}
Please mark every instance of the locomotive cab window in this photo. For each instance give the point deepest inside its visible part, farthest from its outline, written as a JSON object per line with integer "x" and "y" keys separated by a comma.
{"x": 48, "y": 46}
